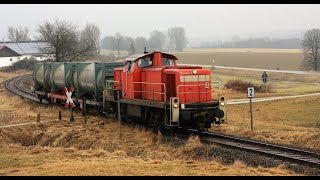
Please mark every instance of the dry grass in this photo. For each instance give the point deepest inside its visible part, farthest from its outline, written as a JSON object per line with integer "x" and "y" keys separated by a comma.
{"x": 242, "y": 86}
{"x": 282, "y": 84}
{"x": 294, "y": 122}
{"x": 272, "y": 76}
{"x": 283, "y": 59}
{"x": 60, "y": 161}
{"x": 61, "y": 148}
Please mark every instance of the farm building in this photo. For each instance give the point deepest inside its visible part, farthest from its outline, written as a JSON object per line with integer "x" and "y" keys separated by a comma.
{"x": 11, "y": 52}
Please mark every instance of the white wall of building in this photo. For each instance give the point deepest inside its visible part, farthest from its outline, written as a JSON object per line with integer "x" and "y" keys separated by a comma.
{"x": 7, "y": 61}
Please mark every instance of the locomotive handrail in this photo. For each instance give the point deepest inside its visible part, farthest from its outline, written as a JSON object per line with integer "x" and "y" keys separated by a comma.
{"x": 217, "y": 82}
{"x": 108, "y": 88}
{"x": 162, "y": 84}
{"x": 197, "y": 85}
{"x": 110, "y": 81}
{"x": 188, "y": 85}
{"x": 164, "y": 90}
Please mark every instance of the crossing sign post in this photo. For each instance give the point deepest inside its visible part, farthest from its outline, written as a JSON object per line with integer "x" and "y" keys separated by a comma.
{"x": 264, "y": 77}
{"x": 69, "y": 101}
{"x": 251, "y": 95}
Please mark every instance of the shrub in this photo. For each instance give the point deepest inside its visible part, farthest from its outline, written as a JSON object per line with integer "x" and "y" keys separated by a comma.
{"x": 242, "y": 86}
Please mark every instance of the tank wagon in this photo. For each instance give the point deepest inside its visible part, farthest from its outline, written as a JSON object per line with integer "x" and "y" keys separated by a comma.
{"x": 87, "y": 80}
{"x": 153, "y": 90}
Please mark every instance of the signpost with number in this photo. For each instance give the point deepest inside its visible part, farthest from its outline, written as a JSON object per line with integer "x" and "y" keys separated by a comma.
{"x": 251, "y": 95}
{"x": 69, "y": 101}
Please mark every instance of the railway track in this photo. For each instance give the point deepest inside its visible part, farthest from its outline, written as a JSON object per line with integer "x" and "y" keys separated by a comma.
{"x": 293, "y": 155}
{"x": 302, "y": 157}
{"x": 13, "y": 86}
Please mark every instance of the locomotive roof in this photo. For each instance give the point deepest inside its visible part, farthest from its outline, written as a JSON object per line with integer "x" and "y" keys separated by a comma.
{"x": 138, "y": 56}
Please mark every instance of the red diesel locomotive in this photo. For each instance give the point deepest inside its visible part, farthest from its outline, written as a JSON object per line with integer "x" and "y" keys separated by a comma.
{"x": 156, "y": 91}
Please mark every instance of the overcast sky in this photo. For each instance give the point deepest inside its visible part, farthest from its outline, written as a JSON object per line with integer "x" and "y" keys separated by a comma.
{"x": 200, "y": 21}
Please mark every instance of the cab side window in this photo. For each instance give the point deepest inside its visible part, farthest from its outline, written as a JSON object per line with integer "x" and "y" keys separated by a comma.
{"x": 130, "y": 66}
{"x": 167, "y": 61}
{"x": 144, "y": 62}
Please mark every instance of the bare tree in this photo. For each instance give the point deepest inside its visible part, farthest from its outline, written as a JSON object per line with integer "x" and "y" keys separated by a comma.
{"x": 171, "y": 38}
{"x": 18, "y": 34}
{"x": 311, "y": 50}
{"x": 116, "y": 42}
{"x": 108, "y": 43}
{"x": 130, "y": 44}
{"x": 156, "y": 40}
{"x": 140, "y": 43}
{"x": 90, "y": 39}
{"x": 64, "y": 39}
{"x": 177, "y": 38}
{"x": 125, "y": 43}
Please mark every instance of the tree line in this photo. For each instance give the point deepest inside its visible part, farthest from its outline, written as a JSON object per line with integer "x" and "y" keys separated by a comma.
{"x": 67, "y": 42}
{"x": 236, "y": 42}
{"x": 174, "y": 39}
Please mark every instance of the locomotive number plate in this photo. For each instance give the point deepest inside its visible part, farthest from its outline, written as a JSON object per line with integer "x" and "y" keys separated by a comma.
{"x": 206, "y": 85}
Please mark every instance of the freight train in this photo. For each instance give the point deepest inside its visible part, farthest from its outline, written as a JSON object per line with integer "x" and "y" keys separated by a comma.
{"x": 151, "y": 88}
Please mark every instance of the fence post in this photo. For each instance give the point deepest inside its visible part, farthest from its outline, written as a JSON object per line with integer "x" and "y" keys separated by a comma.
{"x": 85, "y": 109}
{"x": 38, "y": 118}
{"x": 60, "y": 115}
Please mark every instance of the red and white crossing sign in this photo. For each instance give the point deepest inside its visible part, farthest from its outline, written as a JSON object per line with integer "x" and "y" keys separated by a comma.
{"x": 69, "y": 97}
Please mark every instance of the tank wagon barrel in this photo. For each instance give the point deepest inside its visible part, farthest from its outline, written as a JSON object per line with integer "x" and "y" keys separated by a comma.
{"x": 91, "y": 77}
{"x": 87, "y": 78}
{"x": 61, "y": 74}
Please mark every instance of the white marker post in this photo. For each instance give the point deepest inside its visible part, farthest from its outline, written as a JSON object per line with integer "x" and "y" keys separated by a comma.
{"x": 251, "y": 95}
{"x": 69, "y": 101}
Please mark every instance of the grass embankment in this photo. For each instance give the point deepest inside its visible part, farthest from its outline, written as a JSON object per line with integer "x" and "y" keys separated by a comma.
{"x": 61, "y": 148}
{"x": 281, "y": 84}
{"x": 293, "y": 121}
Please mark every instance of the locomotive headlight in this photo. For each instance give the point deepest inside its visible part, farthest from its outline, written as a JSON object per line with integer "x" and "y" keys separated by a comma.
{"x": 194, "y": 71}
{"x": 222, "y": 103}
{"x": 175, "y": 105}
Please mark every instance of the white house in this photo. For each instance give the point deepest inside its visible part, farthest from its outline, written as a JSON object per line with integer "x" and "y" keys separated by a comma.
{"x": 11, "y": 52}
